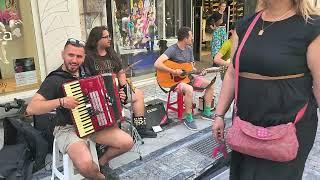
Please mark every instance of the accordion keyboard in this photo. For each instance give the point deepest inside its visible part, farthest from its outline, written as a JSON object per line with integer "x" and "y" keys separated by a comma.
{"x": 82, "y": 113}
{"x": 95, "y": 110}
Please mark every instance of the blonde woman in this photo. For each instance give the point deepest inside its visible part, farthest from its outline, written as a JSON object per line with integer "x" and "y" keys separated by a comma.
{"x": 279, "y": 73}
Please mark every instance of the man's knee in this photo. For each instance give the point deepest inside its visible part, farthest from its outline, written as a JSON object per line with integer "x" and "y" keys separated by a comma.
{"x": 84, "y": 164}
{"x": 126, "y": 144}
{"x": 138, "y": 94}
{"x": 188, "y": 89}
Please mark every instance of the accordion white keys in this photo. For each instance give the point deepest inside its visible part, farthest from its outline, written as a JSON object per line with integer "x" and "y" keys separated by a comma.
{"x": 99, "y": 103}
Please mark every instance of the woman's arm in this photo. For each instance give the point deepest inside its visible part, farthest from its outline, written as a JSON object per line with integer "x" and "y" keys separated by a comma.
{"x": 226, "y": 97}
{"x": 227, "y": 89}
{"x": 218, "y": 60}
{"x": 313, "y": 54}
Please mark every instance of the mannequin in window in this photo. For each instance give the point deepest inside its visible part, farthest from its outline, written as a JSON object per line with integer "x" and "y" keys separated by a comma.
{"x": 15, "y": 24}
{"x": 169, "y": 24}
{"x": 3, "y": 43}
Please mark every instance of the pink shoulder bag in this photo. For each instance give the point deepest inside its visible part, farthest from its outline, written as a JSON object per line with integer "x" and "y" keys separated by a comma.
{"x": 276, "y": 143}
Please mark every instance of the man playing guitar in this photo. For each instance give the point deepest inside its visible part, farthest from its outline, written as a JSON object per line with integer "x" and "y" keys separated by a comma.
{"x": 182, "y": 53}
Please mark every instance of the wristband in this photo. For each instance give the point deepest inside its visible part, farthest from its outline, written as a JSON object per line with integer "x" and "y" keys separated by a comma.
{"x": 60, "y": 102}
{"x": 218, "y": 115}
{"x": 63, "y": 102}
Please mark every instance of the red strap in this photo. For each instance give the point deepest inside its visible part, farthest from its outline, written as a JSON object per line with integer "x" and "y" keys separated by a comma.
{"x": 237, "y": 62}
{"x": 301, "y": 113}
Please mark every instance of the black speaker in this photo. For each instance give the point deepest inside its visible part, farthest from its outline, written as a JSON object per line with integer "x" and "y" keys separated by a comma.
{"x": 154, "y": 114}
{"x": 197, "y": 2}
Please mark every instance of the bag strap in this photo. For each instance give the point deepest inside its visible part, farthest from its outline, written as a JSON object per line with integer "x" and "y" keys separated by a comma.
{"x": 237, "y": 64}
{"x": 301, "y": 113}
{"x": 245, "y": 38}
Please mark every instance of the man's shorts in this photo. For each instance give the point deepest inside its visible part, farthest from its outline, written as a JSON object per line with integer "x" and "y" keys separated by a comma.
{"x": 196, "y": 83}
{"x": 66, "y": 135}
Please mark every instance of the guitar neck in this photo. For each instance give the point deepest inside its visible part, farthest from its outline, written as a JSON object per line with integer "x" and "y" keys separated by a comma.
{"x": 209, "y": 70}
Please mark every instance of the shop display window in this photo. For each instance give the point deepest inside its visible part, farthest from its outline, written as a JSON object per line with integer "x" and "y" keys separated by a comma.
{"x": 92, "y": 13}
{"x": 135, "y": 24}
{"x": 19, "y": 63}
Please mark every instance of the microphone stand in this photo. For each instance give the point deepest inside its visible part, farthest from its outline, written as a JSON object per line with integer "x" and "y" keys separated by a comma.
{"x": 134, "y": 133}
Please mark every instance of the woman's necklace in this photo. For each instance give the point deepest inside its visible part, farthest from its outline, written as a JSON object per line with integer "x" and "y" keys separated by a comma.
{"x": 277, "y": 19}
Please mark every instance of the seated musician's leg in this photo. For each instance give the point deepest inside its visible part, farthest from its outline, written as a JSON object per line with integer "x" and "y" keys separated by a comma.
{"x": 188, "y": 100}
{"x": 138, "y": 102}
{"x": 78, "y": 151}
{"x": 203, "y": 83}
{"x": 117, "y": 140}
{"x": 139, "y": 121}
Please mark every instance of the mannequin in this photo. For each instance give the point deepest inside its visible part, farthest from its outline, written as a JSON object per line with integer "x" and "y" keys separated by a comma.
{"x": 3, "y": 43}
{"x": 14, "y": 24}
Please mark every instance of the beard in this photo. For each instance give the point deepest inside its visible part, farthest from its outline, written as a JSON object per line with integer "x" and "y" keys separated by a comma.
{"x": 72, "y": 67}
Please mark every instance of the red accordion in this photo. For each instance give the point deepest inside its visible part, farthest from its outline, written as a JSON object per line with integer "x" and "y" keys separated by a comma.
{"x": 99, "y": 106}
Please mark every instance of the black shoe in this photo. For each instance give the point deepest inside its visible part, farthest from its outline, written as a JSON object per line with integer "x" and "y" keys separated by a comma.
{"x": 147, "y": 133}
{"x": 101, "y": 149}
{"x": 109, "y": 173}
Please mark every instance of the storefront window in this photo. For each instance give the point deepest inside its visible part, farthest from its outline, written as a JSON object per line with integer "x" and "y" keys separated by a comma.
{"x": 93, "y": 13}
{"x": 19, "y": 63}
{"x": 172, "y": 18}
{"x": 135, "y": 24}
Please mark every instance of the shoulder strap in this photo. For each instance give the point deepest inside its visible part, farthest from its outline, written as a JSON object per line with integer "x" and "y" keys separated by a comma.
{"x": 60, "y": 73}
{"x": 83, "y": 72}
{"x": 301, "y": 113}
{"x": 245, "y": 38}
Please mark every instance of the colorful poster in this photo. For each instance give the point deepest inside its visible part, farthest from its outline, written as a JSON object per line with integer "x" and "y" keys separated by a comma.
{"x": 11, "y": 5}
{"x": 137, "y": 27}
{"x": 8, "y": 11}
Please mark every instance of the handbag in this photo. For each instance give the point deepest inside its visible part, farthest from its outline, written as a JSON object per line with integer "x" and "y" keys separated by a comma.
{"x": 276, "y": 143}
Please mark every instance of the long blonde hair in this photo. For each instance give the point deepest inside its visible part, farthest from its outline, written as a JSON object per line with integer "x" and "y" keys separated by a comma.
{"x": 304, "y": 8}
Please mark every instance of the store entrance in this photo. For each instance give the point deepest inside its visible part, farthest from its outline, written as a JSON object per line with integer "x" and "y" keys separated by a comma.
{"x": 234, "y": 11}
{"x": 178, "y": 13}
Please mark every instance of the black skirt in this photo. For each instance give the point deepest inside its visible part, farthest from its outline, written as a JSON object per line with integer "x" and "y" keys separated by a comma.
{"x": 269, "y": 103}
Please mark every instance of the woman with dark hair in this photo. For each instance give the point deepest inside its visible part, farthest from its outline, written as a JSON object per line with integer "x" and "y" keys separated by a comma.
{"x": 101, "y": 58}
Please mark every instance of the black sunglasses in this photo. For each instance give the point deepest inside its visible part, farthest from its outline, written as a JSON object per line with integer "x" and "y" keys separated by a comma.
{"x": 75, "y": 42}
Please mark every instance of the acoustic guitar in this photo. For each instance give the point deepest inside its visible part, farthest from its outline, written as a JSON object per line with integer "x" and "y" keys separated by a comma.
{"x": 167, "y": 80}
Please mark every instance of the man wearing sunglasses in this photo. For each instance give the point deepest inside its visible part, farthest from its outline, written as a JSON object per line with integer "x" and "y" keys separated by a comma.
{"x": 51, "y": 97}
{"x": 101, "y": 58}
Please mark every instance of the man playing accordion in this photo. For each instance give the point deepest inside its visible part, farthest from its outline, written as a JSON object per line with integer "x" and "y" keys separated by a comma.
{"x": 51, "y": 97}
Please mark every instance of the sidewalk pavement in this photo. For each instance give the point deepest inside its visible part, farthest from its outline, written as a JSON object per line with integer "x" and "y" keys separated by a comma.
{"x": 178, "y": 153}
{"x": 183, "y": 162}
